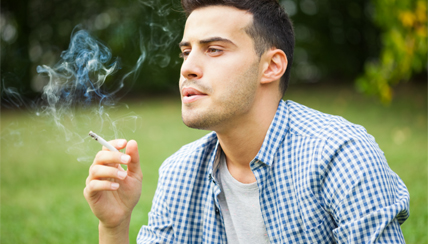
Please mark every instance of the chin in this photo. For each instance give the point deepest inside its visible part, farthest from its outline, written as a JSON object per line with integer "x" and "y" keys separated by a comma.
{"x": 196, "y": 122}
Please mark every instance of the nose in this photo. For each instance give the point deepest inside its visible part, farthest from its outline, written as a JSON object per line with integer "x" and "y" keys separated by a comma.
{"x": 192, "y": 67}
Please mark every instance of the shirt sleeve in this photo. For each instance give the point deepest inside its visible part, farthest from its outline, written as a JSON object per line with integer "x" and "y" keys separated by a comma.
{"x": 159, "y": 228}
{"x": 367, "y": 200}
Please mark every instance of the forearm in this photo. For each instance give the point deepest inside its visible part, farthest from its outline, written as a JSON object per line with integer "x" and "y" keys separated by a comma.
{"x": 116, "y": 235}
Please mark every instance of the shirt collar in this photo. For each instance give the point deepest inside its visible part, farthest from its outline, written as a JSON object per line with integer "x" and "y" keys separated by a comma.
{"x": 214, "y": 159}
{"x": 275, "y": 135}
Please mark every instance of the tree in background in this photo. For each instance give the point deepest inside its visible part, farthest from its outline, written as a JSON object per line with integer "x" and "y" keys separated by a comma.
{"x": 334, "y": 40}
{"x": 404, "y": 46}
{"x": 35, "y": 32}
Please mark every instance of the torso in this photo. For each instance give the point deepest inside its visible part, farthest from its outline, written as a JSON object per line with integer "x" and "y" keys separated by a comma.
{"x": 240, "y": 208}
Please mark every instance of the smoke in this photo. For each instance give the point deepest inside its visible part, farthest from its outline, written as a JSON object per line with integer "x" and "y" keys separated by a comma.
{"x": 163, "y": 32}
{"x": 78, "y": 78}
{"x": 78, "y": 81}
{"x": 82, "y": 92}
{"x": 13, "y": 98}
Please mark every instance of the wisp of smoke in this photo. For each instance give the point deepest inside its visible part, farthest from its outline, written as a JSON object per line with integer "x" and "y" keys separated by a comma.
{"x": 83, "y": 80}
{"x": 78, "y": 80}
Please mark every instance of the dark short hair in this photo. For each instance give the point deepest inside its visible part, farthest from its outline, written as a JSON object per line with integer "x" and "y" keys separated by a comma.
{"x": 271, "y": 26}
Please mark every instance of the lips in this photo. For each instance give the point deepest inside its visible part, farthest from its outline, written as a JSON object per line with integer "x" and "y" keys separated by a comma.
{"x": 189, "y": 91}
{"x": 190, "y": 94}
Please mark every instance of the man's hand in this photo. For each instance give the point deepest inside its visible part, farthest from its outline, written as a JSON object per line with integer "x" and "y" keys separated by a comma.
{"x": 112, "y": 192}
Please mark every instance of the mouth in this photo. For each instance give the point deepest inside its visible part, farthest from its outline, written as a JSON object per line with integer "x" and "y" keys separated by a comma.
{"x": 190, "y": 94}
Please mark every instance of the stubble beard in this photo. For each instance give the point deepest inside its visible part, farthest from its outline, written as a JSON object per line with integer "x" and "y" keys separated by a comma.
{"x": 234, "y": 102}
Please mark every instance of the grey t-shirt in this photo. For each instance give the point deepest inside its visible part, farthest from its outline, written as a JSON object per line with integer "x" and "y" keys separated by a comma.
{"x": 240, "y": 207}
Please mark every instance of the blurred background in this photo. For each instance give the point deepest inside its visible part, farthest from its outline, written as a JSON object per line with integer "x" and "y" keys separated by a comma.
{"x": 364, "y": 60}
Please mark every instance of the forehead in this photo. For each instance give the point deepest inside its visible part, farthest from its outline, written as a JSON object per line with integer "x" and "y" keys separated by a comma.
{"x": 217, "y": 21}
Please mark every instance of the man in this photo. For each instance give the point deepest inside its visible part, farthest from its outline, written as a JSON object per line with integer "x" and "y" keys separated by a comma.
{"x": 271, "y": 171}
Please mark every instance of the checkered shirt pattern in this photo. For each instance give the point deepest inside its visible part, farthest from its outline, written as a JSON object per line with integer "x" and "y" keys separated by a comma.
{"x": 321, "y": 179}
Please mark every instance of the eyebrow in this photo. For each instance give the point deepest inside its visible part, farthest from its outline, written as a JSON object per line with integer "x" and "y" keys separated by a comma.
{"x": 208, "y": 40}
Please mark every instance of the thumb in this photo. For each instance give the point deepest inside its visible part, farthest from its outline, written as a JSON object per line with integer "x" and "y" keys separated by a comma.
{"x": 132, "y": 150}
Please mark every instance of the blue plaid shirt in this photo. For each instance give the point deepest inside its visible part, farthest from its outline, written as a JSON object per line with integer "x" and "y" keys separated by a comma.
{"x": 321, "y": 179}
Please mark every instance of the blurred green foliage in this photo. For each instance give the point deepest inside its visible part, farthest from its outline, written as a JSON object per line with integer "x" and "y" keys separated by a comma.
{"x": 404, "y": 46}
{"x": 335, "y": 41}
{"x": 35, "y": 32}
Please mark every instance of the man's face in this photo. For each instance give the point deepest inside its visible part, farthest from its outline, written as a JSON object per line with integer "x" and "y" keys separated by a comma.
{"x": 220, "y": 71}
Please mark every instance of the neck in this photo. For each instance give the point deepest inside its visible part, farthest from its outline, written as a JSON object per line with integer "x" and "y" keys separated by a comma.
{"x": 242, "y": 143}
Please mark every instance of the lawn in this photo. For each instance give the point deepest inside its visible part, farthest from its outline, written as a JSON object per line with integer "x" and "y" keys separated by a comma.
{"x": 43, "y": 168}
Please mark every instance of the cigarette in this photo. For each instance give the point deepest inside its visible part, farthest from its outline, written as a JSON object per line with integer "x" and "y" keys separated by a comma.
{"x": 103, "y": 142}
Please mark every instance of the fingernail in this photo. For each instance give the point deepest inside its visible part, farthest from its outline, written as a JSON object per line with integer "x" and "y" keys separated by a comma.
{"x": 125, "y": 158}
{"x": 122, "y": 174}
{"x": 114, "y": 185}
{"x": 121, "y": 143}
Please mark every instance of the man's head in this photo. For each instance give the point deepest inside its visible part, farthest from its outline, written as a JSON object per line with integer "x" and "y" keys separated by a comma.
{"x": 271, "y": 27}
{"x": 225, "y": 81}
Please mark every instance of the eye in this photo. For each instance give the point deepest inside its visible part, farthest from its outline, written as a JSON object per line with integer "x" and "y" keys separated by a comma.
{"x": 214, "y": 51}
{"x": 184, "y": 54}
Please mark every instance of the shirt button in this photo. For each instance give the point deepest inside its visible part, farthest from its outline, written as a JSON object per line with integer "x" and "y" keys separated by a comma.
{"x": 216, "y": 210}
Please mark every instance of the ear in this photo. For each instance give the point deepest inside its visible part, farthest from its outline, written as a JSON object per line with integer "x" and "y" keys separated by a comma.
{"x": 276, "y": 63}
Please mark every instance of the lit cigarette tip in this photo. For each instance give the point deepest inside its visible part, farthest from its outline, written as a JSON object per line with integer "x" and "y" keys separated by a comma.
{"x": 102, "y": 141}
{"x": 93, "y": 135}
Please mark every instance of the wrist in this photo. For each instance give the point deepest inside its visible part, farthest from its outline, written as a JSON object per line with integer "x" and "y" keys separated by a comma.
{"x": 114, "y": 234}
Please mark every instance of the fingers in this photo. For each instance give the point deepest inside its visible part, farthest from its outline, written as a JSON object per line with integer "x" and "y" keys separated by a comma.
{"x": 101, "y": 179}
{"x": 101, "y": 185}
{"x": 132, "y": 151}
{"x": 118, "y": 144}
{"x": 93, "y": 187}
{"x": 102, "y": 172}
{"x": 107, "y": 158}
{"x": 106, "y": 168}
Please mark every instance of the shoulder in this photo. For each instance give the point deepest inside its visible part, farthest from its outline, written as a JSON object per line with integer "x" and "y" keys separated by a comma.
{"x": 347, "y": 165}
{"x": 307, "y": 122}
{"x": 338, "y": 143}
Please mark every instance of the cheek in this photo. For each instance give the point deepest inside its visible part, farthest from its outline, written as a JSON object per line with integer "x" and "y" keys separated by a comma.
{"x": 228, "y": 69}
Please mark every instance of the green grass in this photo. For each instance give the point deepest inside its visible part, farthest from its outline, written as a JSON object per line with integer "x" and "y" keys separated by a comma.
{"x": 42, "y": 181}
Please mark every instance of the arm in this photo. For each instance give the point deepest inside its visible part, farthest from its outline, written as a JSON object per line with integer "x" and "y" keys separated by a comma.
{"x": 159, "y": 228}
{"x": 369, "y": 201}
{"x": 112, "y": 192}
